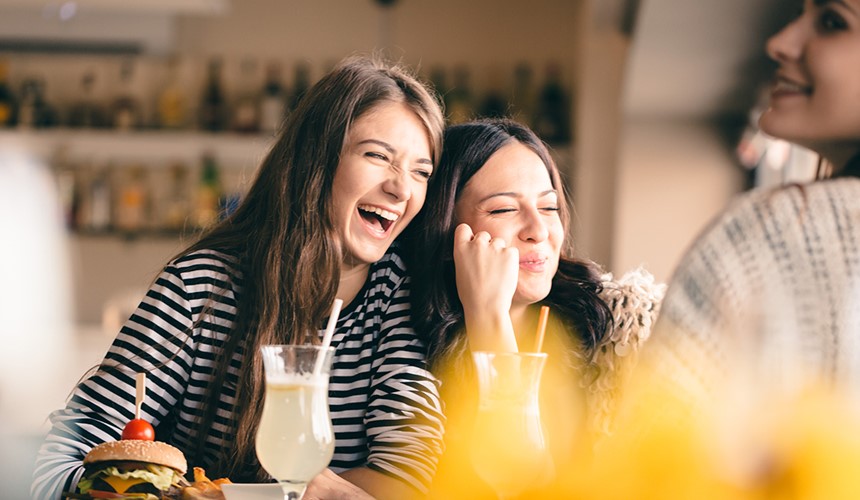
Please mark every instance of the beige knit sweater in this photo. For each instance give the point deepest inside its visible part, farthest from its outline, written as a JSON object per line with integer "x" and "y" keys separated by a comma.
{"x": 769, "y": 294}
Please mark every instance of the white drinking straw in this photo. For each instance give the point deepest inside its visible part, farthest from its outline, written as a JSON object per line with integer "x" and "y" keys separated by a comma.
{"x": 329, "y": 333}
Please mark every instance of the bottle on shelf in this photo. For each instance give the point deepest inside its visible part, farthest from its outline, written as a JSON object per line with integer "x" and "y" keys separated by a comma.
{"x": 301, "y": 84}
{"x": 86, "y": 112}
{"x": 175, "y": 211}
{"x": 34, "y": 111}
{"x": 94, "y": 212}
{"x": 213, "y": 106}
{"x": 66, "y": 176}
{"x": 133, "y": 201}
{"x": 458, "y": 100}
{"x": 171, "y": 106}
{"x": 439, "y": 81}
{"x": 273, "y": 106}
{"x": 523, "y": 96}
{"x": 125, "y": 110}
{"x": 552, "y": 116}
{"x": 494, "y": 104}
{"x": 207, "y": 202}
{"x": 7, "y": 99}
{"x": 246, "y": 109}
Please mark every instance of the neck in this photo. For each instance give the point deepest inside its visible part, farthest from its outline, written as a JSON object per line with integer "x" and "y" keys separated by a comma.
{"x": 524, "y": 319}
{"x": 840, "y": 156}
{"x": 352, "y": 278}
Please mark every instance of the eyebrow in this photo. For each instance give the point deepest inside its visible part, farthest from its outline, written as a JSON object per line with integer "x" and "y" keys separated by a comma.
{"x": 843, "y": 3}
{"x": 513, "y": 194}
{"x": 388, "y": 147}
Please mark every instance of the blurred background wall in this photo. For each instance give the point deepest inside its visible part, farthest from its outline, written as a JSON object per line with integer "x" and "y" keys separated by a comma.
{"x": 643, "y": 103}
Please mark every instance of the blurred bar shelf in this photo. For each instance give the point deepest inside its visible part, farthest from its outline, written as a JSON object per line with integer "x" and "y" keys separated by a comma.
{"x": 150, "y": 146}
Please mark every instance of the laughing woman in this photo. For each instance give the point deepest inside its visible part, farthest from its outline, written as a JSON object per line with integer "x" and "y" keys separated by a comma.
{"x": 348, "y": 173}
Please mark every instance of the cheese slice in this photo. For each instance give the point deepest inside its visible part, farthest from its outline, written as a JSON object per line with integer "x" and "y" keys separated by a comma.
{"x": 120, "y": 485}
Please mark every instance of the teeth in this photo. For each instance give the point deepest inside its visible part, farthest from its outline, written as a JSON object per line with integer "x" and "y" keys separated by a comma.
{"x": 385, "y": 214}
{"x": 786, "y": 86}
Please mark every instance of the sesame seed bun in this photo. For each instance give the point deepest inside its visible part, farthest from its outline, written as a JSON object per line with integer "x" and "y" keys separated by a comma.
{"x": 136, "y": 450}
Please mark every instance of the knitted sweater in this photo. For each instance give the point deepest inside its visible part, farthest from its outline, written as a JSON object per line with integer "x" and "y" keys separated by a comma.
{"x": 772, "y": 287}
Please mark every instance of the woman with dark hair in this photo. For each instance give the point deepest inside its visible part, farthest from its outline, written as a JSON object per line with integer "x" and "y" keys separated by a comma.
{"x": 349, "y": 171}
{"x": 497, "y": 223}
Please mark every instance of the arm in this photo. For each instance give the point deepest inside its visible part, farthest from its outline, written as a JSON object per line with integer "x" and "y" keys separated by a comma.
{"x": 102, "y": 404}
{"x": 487, "y": 274}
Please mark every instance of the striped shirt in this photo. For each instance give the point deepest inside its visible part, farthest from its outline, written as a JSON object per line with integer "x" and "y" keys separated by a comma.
{"x": 384, "y": 404}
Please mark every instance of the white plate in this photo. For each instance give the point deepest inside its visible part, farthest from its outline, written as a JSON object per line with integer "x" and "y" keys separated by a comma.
{"x": 236, "y": 491}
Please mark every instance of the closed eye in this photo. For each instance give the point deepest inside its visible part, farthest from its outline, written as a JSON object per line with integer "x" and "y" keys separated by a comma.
{"x": 424, "y": 174}
{"x": 502, "y": 211}
{"x": 550, "y": 209}
{"x": 375, "y": 155}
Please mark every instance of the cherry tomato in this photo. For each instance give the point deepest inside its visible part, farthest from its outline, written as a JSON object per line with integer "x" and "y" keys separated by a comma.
{"x": 138, "y": 429}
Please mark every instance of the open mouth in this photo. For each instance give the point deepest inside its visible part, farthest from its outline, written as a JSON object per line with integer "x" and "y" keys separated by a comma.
{"x": 377, "y": 218}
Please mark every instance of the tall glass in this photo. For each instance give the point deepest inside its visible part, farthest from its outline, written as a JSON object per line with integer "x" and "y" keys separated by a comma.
{"x": 295, "y": 440}
{"x": 509, "y": 449}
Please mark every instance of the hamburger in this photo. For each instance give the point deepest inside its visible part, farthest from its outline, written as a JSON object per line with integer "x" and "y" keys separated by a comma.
{"x": 132, "y": 469}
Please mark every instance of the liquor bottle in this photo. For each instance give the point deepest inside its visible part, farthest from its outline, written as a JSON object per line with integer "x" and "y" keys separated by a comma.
{"x": 273, "y": 107}
{"x": 246, "y": 109}
{"x": 523, "y": 97}
{"x": 494, "y": 104}
{"x": 7, "y": 100}
{"x": 133, "y": 202}
{"x": 213, "y": 107}
{"x": 66, "y": 175}
{"x": 439, "y": 81}
{"x": 552, "y": 118}
{"x": 208, "y": 197}
{"x": 86, "y": 112}
{"x": 176, "y": 200}
{"x": 34, "y": 111}
{"x": 458, "y": 100}
{"x": 125, "y": 110}
{"x": 172, "y": 112}
{"x": 95, "y": 211}
{"x": 301, "y": 84}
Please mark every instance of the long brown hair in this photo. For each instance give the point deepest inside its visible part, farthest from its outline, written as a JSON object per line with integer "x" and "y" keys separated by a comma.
{"x": 284, "y": 237}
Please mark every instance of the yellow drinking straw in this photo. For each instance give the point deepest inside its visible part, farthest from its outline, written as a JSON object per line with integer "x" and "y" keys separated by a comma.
{"x": 542, "y": 319}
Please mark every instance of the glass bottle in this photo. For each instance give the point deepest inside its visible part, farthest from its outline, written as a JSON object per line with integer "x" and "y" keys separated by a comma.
{"x": 523, "y": 98}
{"x": 133, "y": 202}
{"x": 213, "y": 106}
{"x": 176, "y": 201}
{"x": 7, "y": 99}
{"x": 86, "y": 112}
{"x": 301, "y": 84}
{"x": 458, "y": 100}
{"x": 552, "y": 118}
{"x": 172, "y": 112}
{"x": 125, "y": 109}
{"x": 207, "y": 201}
{"x": 246, "y": 109}
{"x": 273, "y": 106}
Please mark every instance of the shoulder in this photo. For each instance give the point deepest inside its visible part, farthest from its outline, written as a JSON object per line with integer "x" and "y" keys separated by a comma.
{"x": 634, "y": 302}
{"x": 391, "y": 268}
{"x": 205, "y": 262}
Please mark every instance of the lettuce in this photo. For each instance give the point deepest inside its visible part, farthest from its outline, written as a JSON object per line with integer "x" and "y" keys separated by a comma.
{"x": 160, "y": 476}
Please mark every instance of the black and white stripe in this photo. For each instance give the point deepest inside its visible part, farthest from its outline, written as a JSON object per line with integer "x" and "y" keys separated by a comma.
{"x": 384, "y": 404}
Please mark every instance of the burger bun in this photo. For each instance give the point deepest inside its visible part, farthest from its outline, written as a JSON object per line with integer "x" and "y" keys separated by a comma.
{"x": 134, "y": 450}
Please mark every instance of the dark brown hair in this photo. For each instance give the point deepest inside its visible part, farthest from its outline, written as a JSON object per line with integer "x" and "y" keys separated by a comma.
{"x": 283, "y": 234}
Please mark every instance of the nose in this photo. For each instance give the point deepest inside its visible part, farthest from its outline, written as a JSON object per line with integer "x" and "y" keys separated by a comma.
{"x": 787, "y": 44}
{"x": 534, "y": 228}
{"x": 398, "y": 185}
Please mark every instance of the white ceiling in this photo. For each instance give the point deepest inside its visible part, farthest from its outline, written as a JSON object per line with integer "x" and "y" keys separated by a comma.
{"x": 701, "y": 58}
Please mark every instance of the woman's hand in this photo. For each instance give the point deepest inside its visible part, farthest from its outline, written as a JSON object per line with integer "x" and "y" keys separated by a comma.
{"x": 487, "y": 273}
{"x": 329, "y": 486}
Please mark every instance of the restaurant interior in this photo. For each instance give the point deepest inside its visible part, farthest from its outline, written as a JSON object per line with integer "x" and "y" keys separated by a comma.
{"x": 645, "y": 104}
